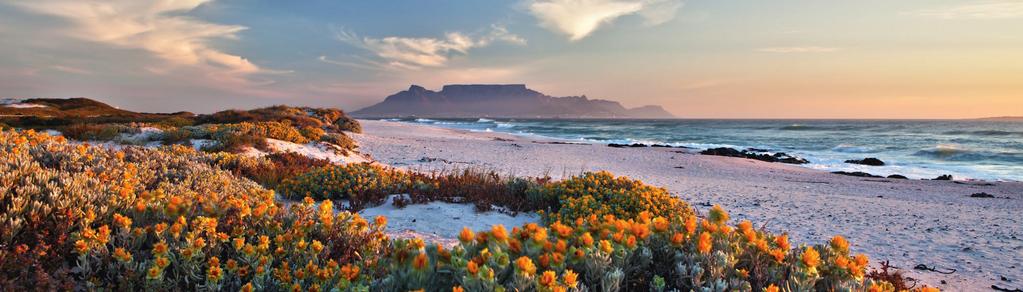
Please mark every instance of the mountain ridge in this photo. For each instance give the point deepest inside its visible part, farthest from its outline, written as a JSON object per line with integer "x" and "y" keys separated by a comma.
{"x": 502, "y": 101}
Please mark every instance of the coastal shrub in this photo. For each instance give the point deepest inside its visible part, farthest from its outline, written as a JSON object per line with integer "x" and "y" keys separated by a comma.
{"x": 645, "y": 253}
{"x": 361, "y": 184}
{"x": 483, "y": 188}
{"x": 79, "y": 217}
{"x": 340, "y": 140}
{"x": 174, "y": 136}
{"x": 270, "y": 170}
{"x": 601, "y": 193}
{"x": 312, "y": 133}
{"x": 93, "y": 132}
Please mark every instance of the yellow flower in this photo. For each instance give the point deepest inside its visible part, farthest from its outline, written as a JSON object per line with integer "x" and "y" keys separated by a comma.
{"x": 718, "y": 215}
{"x": 548, "y": 279}
{"x": 811, "y": 258}
{"x": 317, "y": 246}
{"x": 705, "y": 243}
{"x": 525, "y": 266}
{"x": 570, "y": 278}
{"x": 605, "y": 246}
{"x": 153, "y": 273}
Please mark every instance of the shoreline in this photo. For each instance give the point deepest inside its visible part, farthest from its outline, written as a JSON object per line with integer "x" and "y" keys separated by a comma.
{"x": 908, "y": 222}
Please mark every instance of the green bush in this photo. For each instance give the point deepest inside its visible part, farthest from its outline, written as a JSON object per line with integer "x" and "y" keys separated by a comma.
{"x": 601, "y": 193}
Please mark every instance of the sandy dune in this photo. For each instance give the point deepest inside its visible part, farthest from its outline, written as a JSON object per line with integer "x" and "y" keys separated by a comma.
{"x": 908, "y": 222}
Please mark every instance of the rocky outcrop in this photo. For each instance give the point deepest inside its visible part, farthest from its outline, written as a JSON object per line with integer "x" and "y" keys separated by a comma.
{"x": 505, "y": 101}
{"x": 867, "y": 161}
{"x": 781, "y": 157}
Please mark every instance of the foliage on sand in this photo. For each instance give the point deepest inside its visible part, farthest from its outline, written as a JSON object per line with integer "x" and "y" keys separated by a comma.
{"x": 78, "y": 217}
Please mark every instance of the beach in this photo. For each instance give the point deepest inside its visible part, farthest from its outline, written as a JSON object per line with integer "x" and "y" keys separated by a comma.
{"x": 906, "y": 222}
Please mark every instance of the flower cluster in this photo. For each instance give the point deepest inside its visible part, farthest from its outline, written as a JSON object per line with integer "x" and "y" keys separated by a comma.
{"x": 601, "y": 193}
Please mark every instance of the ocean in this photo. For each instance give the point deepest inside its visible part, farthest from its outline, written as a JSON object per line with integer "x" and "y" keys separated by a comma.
{"x": 918, "y": 149}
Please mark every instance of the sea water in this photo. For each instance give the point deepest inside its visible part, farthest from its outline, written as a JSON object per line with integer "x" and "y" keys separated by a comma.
{"x": 919, "y": 149}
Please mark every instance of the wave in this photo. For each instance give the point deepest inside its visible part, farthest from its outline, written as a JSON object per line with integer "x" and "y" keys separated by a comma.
{"x": 960, "y": 154}
{"x": 505, "y": 125}
{"x": 425, "y": 120}
{"x": 484, "y": 120}
{"x": 985, "y": 133}
{"x": 846, "y": 148}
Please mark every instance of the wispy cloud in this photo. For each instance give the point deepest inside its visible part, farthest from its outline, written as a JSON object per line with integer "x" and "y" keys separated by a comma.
{"x": 785, "y": 50}
{"x": 1001, "y": 9}
{"x": 158, "y": 27}
{"x": 416, "y": 53}
{"x": 579, "y": 18}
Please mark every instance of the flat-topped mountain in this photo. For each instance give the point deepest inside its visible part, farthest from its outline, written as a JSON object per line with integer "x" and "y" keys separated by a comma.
{"x": 504, "y": 101}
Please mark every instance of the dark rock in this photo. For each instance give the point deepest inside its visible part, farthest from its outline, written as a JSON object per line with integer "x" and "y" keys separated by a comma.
{"x": 756, "y": 150}
{"x": 856, "y": 173}
{"x": 661, "y": 146}
{"x": 981, "y": 195}
{"x": 634, "y": 145}
{"x": 777, "y": 157}
{"x": 944, "y": 177}
{"x": 866, "y": 161}
{"x": 898, "y": 176}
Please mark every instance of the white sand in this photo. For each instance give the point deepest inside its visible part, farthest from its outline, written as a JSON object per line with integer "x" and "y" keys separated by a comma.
{"x": 441, "y": 222}
{"x": 908, "y": 222}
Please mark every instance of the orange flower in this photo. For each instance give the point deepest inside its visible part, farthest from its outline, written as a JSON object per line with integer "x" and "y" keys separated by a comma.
{"x": 350, "y": 272}
{"x": 81, "y": 246}
{"x": 772, "y": 288}
{"x": 605, "y": 246}
{"x": 457, "y": 289}
{"x": 215, "y": 274}
{"x": 783, "y": 242}
{"x": 660, "y": 224}
{"x": 587, "y": 239}
{"x": 122, "y": 221}
{"x": 525, "y": 266}
{"x": 380, "y": 220}
{"x": 499, "y": 232}
{"x": 153, "y": 273}
{"x": 160, "y": 248}
{"x": 929, "y": 289}
{"x": 677, "y": 239}
{"x": 472, "y": 267}
{"x": 839, "y": 243}
{"x": 122, "y": 255}
{"x": 247, "y": 287}
{"x": 570, "y": 278}
{"x": 421, "y": 261}
{"x": 640, "y": 230}
{"x": 161, "y": 262}
{"x": 548, "y": 279}
{"x": 811, "y": 258}
{"x": 704, "y": 244}
{"x": 691, "y": 224}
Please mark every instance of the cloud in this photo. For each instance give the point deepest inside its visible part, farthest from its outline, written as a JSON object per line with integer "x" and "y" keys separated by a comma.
{"x": 158, "y": 27}
{"x": 579, "y": 18}
{"x": 1002, "y": 9}
{"x": 786, "y": 50}
{"x": 416, "y": 53}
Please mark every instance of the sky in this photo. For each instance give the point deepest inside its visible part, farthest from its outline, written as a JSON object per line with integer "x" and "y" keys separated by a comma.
{"x": 698, "y": 59}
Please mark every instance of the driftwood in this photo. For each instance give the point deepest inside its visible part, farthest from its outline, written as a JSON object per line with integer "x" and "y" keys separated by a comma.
{"x": 924, "y": 267}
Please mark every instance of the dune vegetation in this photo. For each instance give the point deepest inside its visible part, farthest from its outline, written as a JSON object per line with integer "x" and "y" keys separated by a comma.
{"x": 85, "y": 217}
{"x": 169, "y": 216}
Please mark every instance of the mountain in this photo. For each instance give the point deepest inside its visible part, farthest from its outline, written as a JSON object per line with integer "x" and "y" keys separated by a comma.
{"x": 1003, "y": 119}
{"x": 502, "y": 101}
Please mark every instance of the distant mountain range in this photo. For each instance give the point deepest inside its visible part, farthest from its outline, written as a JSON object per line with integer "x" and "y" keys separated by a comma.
{"x": 501, "y": 101}
{"x": 1004, "y": 119}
